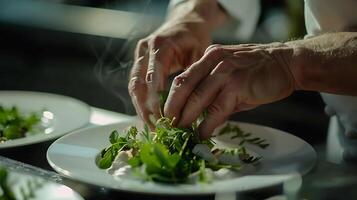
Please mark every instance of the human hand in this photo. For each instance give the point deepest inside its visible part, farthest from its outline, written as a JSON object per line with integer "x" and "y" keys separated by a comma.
{"x": 230, "y": 79}
{"x": 179, "y": 42}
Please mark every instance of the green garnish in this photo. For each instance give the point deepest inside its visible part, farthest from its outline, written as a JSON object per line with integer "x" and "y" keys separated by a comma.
{"x": 166, "y": 155}
{"x": 245, "y": 137}
{"x": 170, "y": 154}
{"x": 7, "y": 193}
{"x": 27, "y": 191}
{"x": 14, "y": 125}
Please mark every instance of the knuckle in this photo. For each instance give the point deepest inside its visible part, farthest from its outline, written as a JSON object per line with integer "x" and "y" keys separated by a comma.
{"x": 179, "y": 35}
{"x": 180, "y": 80}
{"x": 141, "y": 47}
{"x": 142, "y": 43}
{"x": 215, "y": 109}
{"x": 135, "y": 71}
{"x": 134, "y": 86}
{"x": 214, "y": 48}
{"x": 224, "y": 67}
{"x": 225, "y": 64}
{"x": 157, "y": 41}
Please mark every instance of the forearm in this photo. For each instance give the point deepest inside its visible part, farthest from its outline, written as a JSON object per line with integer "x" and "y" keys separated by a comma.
{"x": 326, "y": 63}
{"x": 204, "y": 12}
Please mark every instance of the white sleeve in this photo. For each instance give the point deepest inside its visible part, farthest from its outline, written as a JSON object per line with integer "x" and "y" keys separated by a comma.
{"x": 245, "y": 14}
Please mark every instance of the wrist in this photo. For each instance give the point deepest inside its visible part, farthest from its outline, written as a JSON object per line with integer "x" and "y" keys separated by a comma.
{"x": 303, "y": 66}
{"x": 208, "y": 12}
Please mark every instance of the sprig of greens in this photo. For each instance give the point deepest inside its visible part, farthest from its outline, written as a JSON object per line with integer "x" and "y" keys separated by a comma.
{"x": 165, "y": 155}
{"x": 244, "y": 136}
{"x": 14, "y": 125}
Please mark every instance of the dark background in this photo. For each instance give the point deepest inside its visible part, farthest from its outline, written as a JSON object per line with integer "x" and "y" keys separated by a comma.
{"x": 41, "y": 58}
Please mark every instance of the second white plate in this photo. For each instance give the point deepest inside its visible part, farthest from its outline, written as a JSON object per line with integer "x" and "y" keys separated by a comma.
{"x": 65, "y": 114}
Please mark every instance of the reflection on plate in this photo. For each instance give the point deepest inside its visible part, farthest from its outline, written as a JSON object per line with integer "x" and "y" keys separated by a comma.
{"x": 286, "y": 156}
{"x": 28, "y": 187}
{"x": 59, "y": 114}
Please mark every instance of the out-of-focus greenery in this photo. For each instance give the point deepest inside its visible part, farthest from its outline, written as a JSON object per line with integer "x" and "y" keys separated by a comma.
{"x": 6, "y": 192}
{"x": 15, "y": 125}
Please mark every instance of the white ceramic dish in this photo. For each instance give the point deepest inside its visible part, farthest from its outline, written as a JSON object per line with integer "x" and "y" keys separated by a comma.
{"x": 64, "y": 114}
{"x": 38, "y": 188}
{"x": 74, "y": 156}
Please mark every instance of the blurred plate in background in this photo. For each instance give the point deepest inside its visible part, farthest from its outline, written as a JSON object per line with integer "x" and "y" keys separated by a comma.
{"x": 61, "y": 114}
{"x": 18, "y": 186}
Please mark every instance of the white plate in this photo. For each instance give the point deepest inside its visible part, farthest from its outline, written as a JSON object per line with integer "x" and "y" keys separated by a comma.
{"x": 41, "y": 188}
{"x": 74, "y": 156}
{"x": 68, "y": 114}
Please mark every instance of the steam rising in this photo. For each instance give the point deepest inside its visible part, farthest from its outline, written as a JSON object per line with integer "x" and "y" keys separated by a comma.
{"x": 114, "y": 62}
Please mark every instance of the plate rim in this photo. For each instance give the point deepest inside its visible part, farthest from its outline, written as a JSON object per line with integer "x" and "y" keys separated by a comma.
{"x": 25, "y": 175}
{"x": 25, "y": 141}
{"x": 185, "y": 193}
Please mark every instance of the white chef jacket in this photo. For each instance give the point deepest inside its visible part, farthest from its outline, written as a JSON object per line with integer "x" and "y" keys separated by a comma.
{"x": 244, "y": 12}
{"x": 321, "y": 16}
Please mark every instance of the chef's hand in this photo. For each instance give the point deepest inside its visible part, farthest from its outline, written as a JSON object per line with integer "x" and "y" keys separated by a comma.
{"x": 179, "y": 42}
{"x": 230, "y": 79}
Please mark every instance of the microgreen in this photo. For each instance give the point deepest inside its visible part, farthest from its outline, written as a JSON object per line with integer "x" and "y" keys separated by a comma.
{"x": 13, "y": 125}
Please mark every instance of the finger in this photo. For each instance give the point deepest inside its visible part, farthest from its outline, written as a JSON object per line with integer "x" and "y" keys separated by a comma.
{"x": 233, "y": 48}
{"x": 245, "y": 47}
{"x": 157, "y": 73}
{"x": 206, "y": 92}
{"x": 138, "y": 71}
{"x": 137, "y": 85}
{"x": 218, "y": 112}
{"x": 143, "y": 113}
{"x": 199, "y": 99}
{"x": 184, "y": 83}
{"x": 138, "y": 91}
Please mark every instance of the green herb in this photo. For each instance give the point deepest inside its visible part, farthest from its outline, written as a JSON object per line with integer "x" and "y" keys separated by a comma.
{"x": 27, "y": 191}
{"x": 244, "y": 136}
{"x": 14, "y": 125}
{"x": 166, "y": 154}
{"x": 7, "y": 193}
